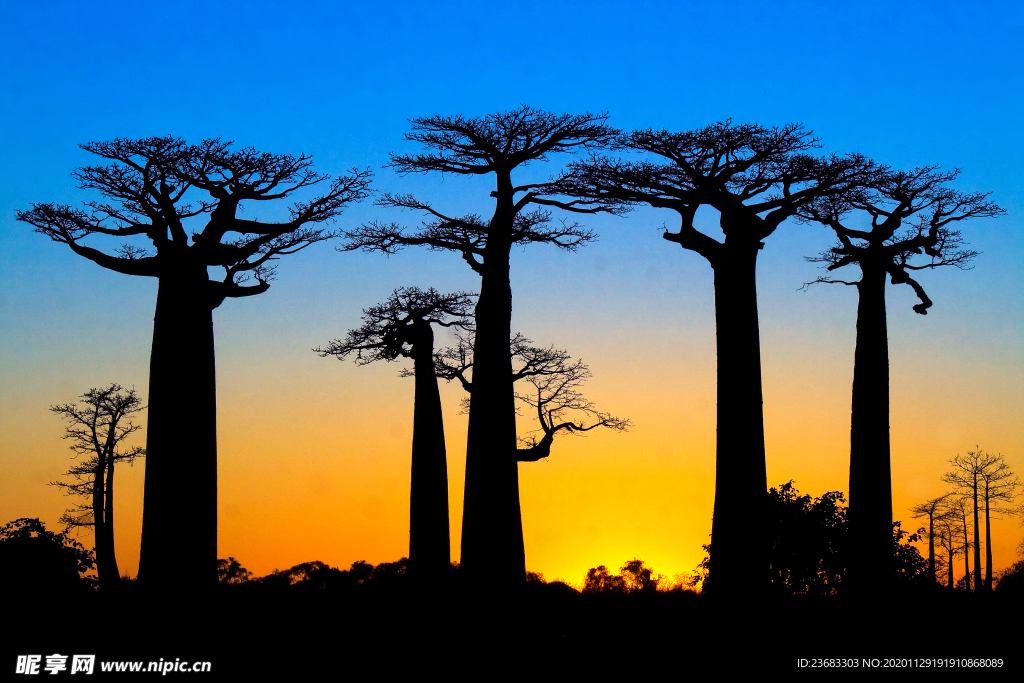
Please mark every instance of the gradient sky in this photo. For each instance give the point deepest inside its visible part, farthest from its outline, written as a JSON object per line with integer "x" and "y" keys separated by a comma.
{"x": 314, "y": 454}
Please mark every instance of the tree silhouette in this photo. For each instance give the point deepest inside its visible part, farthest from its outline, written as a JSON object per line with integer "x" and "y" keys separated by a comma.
{"x": 146, "y": 189}
{"x": 97, "y": 430}
{"x": 756, "y": 178}
{"x": 554, "y": 396}
{"x": 35, "y": 562}
{"x": 986, "y": 475}
{"x": 958, "y": 510}
{"x": 809, "y": 547}
{"x": 554, "y": 393}
{"x": 949, "y": 536}
{"x": 931, "y": 509}
{"x": 911, "y": 217}
{"x": 498, "y": 144}
{"x": 402, "y": 327}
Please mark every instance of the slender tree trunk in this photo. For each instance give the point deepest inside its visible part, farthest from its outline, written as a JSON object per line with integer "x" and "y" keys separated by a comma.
{"x": 739, "y": 556}
{"x": 870, "y": 512}
{"x": 492, "y": 526}
{"x": 978, "y": 585}
{"x": 949, "y": 567}
{"x": 429, "y": 541}
{"x": 98, "y": 521}
{"x": 967, "y": 556}
{"x": 988, "y": 545}
{"x": 108, "y": 527}
{"x": 179, "y": 519}
{"x": 931, "y": 549}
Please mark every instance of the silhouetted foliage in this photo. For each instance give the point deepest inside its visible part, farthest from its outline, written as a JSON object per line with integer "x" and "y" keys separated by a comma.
{"x": 756, "y": 178}
{"x": 810, "y": 545}
{"x": 634, "y": 577}
{"x": 229, "y": 571}
{"x": 911, "y": 216}
{"x": 97, "y": 429}
{"x": 1009, "y": 583}
{"x": 808, "y": 541}
{"x": 498, "y": 144}
{"x": 147, "y": 191}
{"x": 402, "y": 327}
{"x": 38, "y": 563}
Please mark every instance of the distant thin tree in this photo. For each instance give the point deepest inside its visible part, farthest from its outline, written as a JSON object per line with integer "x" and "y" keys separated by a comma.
{"x": 999, "y": 486}
{"x": 912, "y": 217}
{"x": 931, "y": 509}
{"x": 155, "y": 190}
{"x": 959, "y": 510}
{"x": 495, "y": 145}
{"x": 950, "y": 539}
{"x": 97, "y": 428}
{"x": 402, "y": 327}
{"x": 756, "y": 178}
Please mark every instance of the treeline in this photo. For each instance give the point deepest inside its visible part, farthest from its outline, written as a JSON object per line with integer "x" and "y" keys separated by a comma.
{"x": 177, "y": 209}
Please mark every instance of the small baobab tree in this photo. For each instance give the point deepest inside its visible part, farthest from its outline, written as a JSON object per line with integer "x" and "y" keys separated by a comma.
{"x": 157, "y": 190}
{"x": 402, "y": 327}
{"x": 497, "y": 145}
{"x": 97, "y": 427}
{"x": 554, "y": 393}
{"x": 911, "y": 217}
{"x": 931, "y": 509}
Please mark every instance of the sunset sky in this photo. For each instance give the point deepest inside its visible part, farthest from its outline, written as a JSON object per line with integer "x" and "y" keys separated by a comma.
{"x": 314, "y": 453}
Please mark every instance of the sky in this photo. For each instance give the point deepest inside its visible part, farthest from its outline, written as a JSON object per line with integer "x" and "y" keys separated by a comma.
{"x": 314, "y": 453}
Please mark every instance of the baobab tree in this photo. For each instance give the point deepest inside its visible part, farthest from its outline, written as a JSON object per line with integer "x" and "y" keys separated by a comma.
{"x": 98, "y": 427}
{"x": 949, "y": 536}
{"x": 755, "y": 178}
{"x": 958, "y": 508}
{"x": 986, "y": 476}
{"x": 931, "y": 509}
{"x": 402, "y": 327}
{"x": 156, "y": 189}
{"x": 554, "y": 394}
{"x": 912, "y": 214}
{"x": 499, "y": 145}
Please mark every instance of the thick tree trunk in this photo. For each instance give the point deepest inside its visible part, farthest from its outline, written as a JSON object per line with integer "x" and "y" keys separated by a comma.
{"x": 870, "y": 512}
{"x": 179, "y": 519}
{"x": 429, "y": 541}
{"x": 739, "y": 559}
{"x": 978, "y": 586}
{"x": 113, "y": 575}
{"x": 492, "y": 527}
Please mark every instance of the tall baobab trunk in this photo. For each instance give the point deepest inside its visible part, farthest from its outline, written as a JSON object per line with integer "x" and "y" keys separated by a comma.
{"x": 429, "y": 540}
{"x": 492, "y": 526}
{"x": 738, "y": 530}
{"x": 108, "y": 526}
{"x": 179, "y": 520}
{"x": 870, "y": 512}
